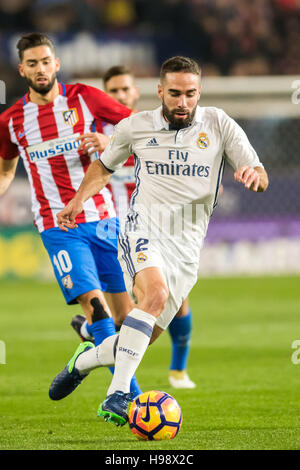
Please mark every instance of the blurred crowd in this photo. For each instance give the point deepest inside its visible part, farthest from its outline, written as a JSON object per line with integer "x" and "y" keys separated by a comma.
{"x": 228, "y": 37}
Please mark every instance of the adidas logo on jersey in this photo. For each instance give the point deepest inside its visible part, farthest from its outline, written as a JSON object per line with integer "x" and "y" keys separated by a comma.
{"x": 152, "y": 143}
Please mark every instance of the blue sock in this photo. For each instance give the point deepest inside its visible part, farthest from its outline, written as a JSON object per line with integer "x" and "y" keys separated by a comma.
{"x": 89, "y": 329}
{"x": 100, "y": 330}
{"x": 180, "y": 331}
{"x": 134, "y": 387}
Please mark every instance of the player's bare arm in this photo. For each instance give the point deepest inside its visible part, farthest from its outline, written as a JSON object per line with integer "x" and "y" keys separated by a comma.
{"x": 96, "y": 177}
{"x": 253, "y": 178}
{"x": 93, "y": 142}
{"x": 7, "y": 173}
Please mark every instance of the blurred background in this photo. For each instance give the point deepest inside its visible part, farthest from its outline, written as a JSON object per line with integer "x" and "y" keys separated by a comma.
{"x": 250, "y": 56}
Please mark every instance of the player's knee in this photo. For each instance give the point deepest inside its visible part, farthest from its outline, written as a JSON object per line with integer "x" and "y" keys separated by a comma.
{"x": 159, "y": 296}
{"x": 156, "y": 298}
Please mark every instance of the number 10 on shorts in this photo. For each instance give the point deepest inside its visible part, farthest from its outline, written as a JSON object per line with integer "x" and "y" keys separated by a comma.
{"x": 62, "y": 262}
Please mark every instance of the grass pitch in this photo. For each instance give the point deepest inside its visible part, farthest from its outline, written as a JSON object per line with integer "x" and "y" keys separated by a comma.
{"x": 248, "y": 388}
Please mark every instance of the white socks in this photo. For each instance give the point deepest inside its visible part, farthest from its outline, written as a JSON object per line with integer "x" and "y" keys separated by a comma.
{"x": 134, "y": 338}
{"x": 102, "y": 355}
{"x": 125, "y": 350}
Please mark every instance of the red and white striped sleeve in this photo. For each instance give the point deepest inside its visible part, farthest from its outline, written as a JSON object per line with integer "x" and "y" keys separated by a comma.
{"x": 102, "y": 106}
{"x": 8, "y": 149}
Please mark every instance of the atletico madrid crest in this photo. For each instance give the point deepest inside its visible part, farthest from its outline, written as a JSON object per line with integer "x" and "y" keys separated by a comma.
{"x": 67, "y": 282}
{"x": 70, "y": 116}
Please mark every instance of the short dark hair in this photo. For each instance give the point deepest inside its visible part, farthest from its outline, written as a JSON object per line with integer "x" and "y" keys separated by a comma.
{"x": 33, "y": 40}
{"x": 114, "y": 71}
{"x": 179, "y": 64}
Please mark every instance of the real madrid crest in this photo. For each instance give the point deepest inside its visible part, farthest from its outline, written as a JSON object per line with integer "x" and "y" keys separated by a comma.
{"x": 141, "y": 257}
{"x": 203, "y": 141}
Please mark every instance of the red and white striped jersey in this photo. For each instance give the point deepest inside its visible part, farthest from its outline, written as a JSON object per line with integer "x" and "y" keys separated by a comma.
{"x": 45, "y": 137}
{"x": 122, "y": 182}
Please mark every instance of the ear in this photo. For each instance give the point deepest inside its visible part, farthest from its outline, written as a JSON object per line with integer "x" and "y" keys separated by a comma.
{"x": 21, "y": 71}
{"x": 137, "y": 93}
{"x": 160, "y": 91}
{"x": 57, "y": 64}
{"x": 199, "y": 92}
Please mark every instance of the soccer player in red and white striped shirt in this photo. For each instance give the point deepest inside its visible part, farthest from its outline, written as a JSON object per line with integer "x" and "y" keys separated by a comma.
{"x": 44, "y": 128}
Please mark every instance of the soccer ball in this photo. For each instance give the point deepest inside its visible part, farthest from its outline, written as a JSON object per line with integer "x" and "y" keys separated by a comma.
{"x": 155, "y": 416}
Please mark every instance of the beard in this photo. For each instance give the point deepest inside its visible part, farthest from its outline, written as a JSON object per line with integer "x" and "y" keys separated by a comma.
{"x": 42, "y": 88}
{"x": 176, "y": 122}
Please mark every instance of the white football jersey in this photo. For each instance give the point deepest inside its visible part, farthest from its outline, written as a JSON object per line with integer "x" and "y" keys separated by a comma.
{"x": 178, "y": 173}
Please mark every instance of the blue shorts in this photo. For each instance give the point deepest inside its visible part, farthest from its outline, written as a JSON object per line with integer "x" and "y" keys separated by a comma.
{"x": 85, "y": 258}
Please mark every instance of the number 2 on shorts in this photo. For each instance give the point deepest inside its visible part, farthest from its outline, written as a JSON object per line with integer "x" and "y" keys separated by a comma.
{"x": 141, "y": 244}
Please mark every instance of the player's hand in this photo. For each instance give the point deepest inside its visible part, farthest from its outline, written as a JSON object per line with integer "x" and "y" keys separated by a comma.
{"x": 249, "y": 177}
{"x": 66, "y": 217}
{"x": 93, "y": 142}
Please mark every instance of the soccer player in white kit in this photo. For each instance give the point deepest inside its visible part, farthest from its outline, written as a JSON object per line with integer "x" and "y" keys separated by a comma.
{"x": 119, "y": 84}
{"x": 180, "y": 150}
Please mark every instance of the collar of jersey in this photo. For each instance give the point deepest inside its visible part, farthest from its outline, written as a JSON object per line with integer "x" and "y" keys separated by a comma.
{"x": 160, "y": 122}
{"x": 61, "y": 88}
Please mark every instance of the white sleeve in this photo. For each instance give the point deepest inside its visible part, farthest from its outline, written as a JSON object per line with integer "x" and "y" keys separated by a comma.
{"x": 119, "y": 148}
{"x": 237, "y": 148}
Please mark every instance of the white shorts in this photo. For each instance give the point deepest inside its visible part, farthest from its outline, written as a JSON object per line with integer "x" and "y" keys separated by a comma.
{"x": 137, "y": 253}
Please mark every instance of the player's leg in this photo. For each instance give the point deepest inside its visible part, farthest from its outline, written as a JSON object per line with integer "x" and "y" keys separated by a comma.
{"x": 100, "y": 323}
{"x": 115, "y": 407}
{"x": 120, "y": 304}
{"x": 104, "y": 355}
{"x": 180, "y": 330}
{"x": 77, "y": 274}
{"x": 87, "y": 358}
{"x": 104, "y": 244}
{"x": 151, "y": 292}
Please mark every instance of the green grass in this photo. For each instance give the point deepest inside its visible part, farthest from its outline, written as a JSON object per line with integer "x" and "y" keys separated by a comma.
{"x": 248, "y": 389}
